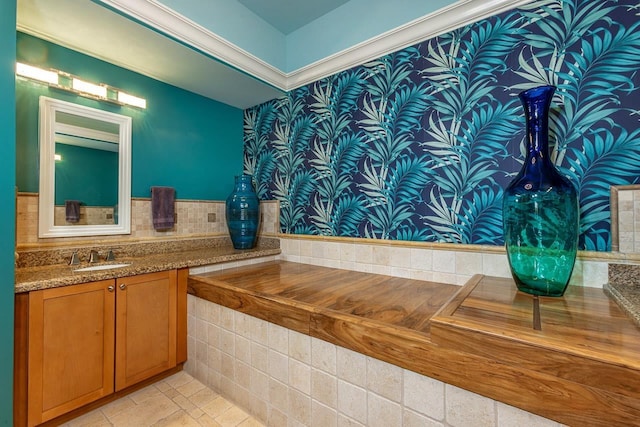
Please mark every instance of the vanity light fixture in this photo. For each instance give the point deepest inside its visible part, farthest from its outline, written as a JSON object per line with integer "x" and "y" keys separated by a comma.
{"x": 71, "y": 83}
{"x": 57, "y": 157}
{"x": 125, "y": 98}
{"x": 89, "y": 88}
{"x": 35, "y": 73}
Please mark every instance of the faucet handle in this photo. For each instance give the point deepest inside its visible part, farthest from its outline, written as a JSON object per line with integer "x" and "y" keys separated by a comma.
{"x": 110, "y": 256}
{"x": 93, "y": 256}
{"x": 75, "y": 259}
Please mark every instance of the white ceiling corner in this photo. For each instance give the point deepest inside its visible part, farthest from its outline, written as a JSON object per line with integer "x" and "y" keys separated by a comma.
{"x": 460, "y": 13}
{"x": 289, "y": 15}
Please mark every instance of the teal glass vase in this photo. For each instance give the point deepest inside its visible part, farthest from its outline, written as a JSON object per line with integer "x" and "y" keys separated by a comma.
{"x": 243, "y": 213}
{"x": 540, "y": 209}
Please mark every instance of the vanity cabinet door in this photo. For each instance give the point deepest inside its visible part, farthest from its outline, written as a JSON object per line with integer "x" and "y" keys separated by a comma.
{"x": 146, "y": 312}
{"x": 71, "y": 348}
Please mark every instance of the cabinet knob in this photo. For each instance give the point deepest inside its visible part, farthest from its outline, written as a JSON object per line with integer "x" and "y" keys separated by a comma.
{"x": 123, "y": 286}
{"x": 111, "y": 288}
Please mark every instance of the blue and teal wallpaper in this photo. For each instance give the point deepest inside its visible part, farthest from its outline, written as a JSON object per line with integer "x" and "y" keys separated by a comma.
{"x": 419, "y": 144}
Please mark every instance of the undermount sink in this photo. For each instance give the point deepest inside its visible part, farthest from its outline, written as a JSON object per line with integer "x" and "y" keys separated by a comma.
{"x": 102, "y": 267}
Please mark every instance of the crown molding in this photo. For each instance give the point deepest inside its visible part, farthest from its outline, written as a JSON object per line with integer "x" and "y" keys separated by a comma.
{"x": 168, "y": 22}
{"x": 159, "y": 17}
{"x": 459, "y": 14}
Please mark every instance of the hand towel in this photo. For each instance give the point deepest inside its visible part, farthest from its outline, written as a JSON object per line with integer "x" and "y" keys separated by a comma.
{"x": 72, "y": 210}
{"x": 162, "y": 207}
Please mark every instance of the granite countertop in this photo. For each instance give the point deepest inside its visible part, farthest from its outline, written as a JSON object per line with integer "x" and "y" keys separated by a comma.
{"x": 31, "y": 278}
{"x": 624, "y": 288}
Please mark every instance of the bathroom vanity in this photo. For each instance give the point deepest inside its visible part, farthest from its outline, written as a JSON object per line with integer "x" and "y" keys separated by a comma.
{"x": 83, "y": 342}
{"x": 88, "y": 334}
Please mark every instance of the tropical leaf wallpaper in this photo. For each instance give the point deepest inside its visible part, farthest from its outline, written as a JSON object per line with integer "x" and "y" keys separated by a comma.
{"x": 419, "y": 144}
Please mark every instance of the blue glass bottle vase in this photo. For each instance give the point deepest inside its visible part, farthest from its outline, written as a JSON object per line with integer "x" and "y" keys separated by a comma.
{"x": 243, "y": 213}
{"x": 540, "y": 209}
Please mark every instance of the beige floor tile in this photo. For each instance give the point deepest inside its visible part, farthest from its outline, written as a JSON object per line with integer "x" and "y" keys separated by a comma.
{"x": 144, "y": 394}
{"x": 178, "y": 379}
{"x": 178, "y": 400}
{"x": 196, "y": 413}
{"x": 207, "y": 421}
{"x": 163, "y": 386}
{"x": 190, "y": 388}
{"x": 148, "y": 413}
{"x": 251, "y": 422}
{"x": 184, "y": 403}
{"x": 93, "y": 419}
{"x": 217, "y": 407}
{"x": 203, "y": 397}
{"x": 232, "y": 417}
{"x": 114, "y": 408}
{"x": 179, "y": 418}
{"x": 171, "y": 393}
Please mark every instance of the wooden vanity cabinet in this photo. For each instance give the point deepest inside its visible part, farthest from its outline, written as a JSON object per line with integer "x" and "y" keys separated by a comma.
{"x": 77, "y": 344}
{"x": 145, "y": 327}
{"x": 70, "y": 348}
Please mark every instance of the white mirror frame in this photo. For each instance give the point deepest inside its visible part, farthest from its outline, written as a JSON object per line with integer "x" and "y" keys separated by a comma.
{"x": 47, "y": 115}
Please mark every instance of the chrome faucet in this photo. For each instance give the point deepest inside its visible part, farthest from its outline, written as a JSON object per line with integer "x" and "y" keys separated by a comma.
{"x": 110, "y": 256}
{"x": 75, "y": 259}
{"x": 94, "y": 256}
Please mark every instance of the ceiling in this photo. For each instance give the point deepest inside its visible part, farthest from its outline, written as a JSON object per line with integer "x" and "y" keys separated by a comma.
{"x": 289, "y": 15}
{"x": 106, "y": 35}
{"x": 153, "y": 40}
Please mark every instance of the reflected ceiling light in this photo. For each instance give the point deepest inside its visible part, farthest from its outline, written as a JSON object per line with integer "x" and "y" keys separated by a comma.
{"x": 65, "y": 81}
{"x": 35, "y": 73}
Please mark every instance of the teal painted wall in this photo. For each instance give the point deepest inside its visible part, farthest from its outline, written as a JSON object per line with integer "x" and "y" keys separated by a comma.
{"x": 181, "y": 140}
{"x": 86, "y": 174}
{"x": 7, "y": 201}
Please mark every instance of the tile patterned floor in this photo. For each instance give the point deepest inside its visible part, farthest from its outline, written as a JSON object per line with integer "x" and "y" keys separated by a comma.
{"x": 179, "y": 400}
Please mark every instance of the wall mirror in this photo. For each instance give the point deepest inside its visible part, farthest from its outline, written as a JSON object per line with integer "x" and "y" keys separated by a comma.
{"x": 85, "y": 171}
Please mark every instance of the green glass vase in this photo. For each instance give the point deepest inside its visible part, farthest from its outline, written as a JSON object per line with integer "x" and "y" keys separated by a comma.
{"x": 540, "y": 209}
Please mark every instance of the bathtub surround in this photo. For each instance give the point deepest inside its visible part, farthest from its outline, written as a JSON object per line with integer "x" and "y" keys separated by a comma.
{"x": 481, "y": 340}
{"x": 287, "y": 377}
{"x": 444, "y": 263}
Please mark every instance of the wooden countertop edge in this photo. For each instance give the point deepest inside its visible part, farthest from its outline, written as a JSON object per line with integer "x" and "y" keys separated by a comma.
{"x": 578, "y": 397}
{"x": 444, "y": 319}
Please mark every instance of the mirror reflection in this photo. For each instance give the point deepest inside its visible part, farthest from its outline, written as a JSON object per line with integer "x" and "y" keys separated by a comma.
{"x": 85, "y": 184}
{"x": 86, "y": 170}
